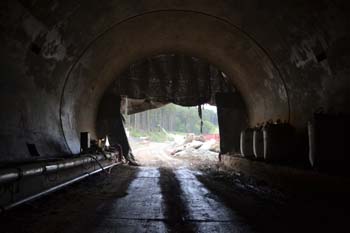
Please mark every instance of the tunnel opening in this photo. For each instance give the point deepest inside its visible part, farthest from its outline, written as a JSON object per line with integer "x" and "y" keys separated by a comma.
{"x": 246, "y": 65}
{"x": 183, "y": 80}
{"x": 173, "y": 135}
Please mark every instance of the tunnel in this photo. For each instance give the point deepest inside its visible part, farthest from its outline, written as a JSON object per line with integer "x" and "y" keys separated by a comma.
{"x": 277, "y": 73}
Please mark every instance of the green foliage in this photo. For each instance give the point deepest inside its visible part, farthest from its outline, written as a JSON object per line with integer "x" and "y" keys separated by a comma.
{"x": 174, "y": 118}
{"x": 159, "y": 137}
{"x": 155, "y": 136}
{"x": 136, "y": 133}
{"x": 208, "y": 127}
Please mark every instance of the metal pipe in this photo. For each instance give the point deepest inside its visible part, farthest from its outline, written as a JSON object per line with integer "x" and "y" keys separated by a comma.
{"x": 8, "y": 175}
{"x": 12, "y": 174}
{"x": 31, "y": 170}
{"x": 55, "y": 188}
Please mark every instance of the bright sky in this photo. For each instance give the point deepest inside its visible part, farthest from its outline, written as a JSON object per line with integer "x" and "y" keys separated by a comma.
{"x": 210, "y": 107}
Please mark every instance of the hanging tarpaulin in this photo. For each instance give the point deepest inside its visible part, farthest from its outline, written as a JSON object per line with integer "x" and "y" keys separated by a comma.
{"x": 201, "y": 117}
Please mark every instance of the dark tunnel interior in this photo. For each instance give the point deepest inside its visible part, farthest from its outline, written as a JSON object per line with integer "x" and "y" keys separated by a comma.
{"x": 73, "y": 74}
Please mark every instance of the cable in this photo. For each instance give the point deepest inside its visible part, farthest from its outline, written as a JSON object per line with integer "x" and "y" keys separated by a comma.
{"x": 200, "y": 114}
{"x": 102, "y": 168}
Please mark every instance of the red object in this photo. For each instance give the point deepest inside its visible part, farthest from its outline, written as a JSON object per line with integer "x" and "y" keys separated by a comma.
{"x": 211, "y": 136}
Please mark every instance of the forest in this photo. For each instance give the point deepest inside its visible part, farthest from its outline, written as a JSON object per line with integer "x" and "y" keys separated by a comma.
{"x": 174, "y": 118}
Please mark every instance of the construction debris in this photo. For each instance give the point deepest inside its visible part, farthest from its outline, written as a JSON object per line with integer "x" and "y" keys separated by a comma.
{"x": 196, "y": 146}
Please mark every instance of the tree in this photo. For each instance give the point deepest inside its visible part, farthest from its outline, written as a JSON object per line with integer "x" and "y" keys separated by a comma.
{"x": 175, "y": 118}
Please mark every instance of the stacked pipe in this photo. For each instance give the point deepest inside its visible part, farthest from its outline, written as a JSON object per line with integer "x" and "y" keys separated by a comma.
{"x": 246, "y": 143}
{"x": 273, "y": 142}
{"x": 258, "y": 143}
{"x": 328, "y": 140}
{"x": 278, "y": 142}
{"x": 251, "y": 143}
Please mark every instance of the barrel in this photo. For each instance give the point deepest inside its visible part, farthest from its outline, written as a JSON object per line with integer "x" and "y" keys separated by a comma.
{"x": 328, "y": 142}
{"x": 246, "y": 143}
{"x": 258, "y": 143}
{"x": 279, "y": 143}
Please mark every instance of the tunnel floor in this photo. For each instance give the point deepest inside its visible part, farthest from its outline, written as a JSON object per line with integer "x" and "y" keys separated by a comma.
{"x": 175, "y": 196}
{"x": 145, "y": 199}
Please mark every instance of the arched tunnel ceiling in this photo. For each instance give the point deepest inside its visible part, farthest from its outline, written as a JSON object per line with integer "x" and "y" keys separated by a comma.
{"x": 58, "y": 58}
{"x": 156, "y": 81}
{"x": 172, "y": 78}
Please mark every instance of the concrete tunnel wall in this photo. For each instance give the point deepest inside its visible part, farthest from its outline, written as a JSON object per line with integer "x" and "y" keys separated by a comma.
{"x": 155, "y": 33}
{"x": 57, "y": 59}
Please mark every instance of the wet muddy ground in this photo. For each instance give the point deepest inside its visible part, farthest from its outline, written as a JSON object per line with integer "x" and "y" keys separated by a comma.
{"x": 176, "y": 196}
